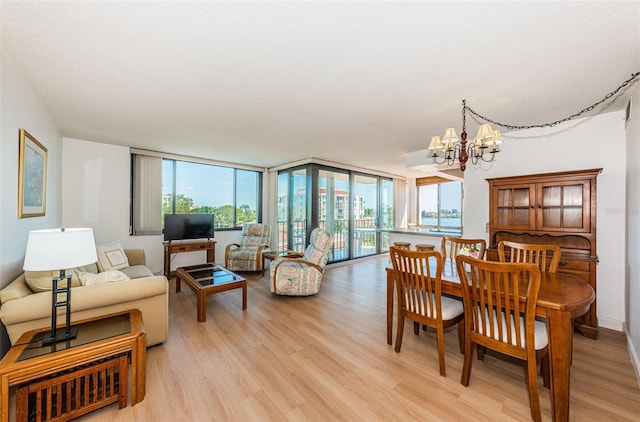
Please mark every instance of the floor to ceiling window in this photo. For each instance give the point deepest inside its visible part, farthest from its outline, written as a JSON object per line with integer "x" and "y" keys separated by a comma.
{"x": 350, "y": 205}
{"x": 333, "y": 210}
{"x": 292, "y": 210}
{"x": 365, "y": 215}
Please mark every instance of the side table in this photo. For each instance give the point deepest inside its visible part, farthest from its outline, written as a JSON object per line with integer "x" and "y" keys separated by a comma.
{"x": 79, "y": 375}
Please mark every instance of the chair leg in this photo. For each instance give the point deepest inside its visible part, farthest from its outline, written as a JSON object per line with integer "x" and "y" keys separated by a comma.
{"x": 468, "y": 360}
{"x": 532, "y": 381}
{"x": 480, "y": 350}
{"x": 400, "y": 332}
{"x": 416, "y": 327}
{"x": 544, "y": 370}
{"x": 461, "y": 336}
{"x": 440, "y": 336}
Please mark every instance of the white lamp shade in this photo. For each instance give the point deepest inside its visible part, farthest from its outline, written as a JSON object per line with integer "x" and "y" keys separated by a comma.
{"x": 435, "y": 144}
{"x": 450, "y": 136}
{"x": 485, "y": 132}
{"x": 56, "y": 249}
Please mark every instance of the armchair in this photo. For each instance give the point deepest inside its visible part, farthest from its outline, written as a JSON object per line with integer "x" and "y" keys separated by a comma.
{"x": 247, "y": 255}
{"x": 301, "y": 276}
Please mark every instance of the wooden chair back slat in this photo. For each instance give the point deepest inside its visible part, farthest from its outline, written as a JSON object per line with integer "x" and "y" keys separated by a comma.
{"x": 545, "y": 257}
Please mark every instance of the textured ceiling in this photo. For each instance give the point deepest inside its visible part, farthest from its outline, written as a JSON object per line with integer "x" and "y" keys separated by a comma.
{"x": 266, "y": 83}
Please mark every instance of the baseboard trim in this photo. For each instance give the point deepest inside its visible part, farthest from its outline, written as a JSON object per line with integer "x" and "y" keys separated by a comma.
{"x": 632, "y": 354}
{"x": 611, "y": 324}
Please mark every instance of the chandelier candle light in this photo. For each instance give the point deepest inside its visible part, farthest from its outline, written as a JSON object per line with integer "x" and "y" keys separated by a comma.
{"x": 484, "y": 146}
{"x": 53, "y": 249}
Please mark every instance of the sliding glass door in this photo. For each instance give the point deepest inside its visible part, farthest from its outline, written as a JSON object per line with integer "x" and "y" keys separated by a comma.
{"x": 365, "y": 215}
{"x": 292, "y": 210}
{"x": 333, "y": 210}
{"x": 351, "y": 206}
{"x": 386, "y": 212}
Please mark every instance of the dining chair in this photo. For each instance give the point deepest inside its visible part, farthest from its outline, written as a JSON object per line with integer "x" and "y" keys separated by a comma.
{"x": 451, "y": 246}
{"x": 419, "y": 293}
{"x": 532, "y": 253}
{"x": 500, "y": 304}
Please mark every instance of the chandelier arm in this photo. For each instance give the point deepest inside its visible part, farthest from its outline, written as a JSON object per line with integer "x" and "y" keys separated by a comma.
{"x": 552, "y": 124}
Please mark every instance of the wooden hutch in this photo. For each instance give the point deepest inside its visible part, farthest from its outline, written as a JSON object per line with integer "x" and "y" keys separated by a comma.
{"x": 551, "y": 208}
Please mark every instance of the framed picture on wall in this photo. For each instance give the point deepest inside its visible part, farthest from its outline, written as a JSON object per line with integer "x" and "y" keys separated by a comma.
{"x": 32, "y": 179}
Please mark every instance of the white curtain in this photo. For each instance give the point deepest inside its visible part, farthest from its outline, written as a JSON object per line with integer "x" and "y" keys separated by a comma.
{"x": 399, "y": 203}
{"x": 147, "y": 195}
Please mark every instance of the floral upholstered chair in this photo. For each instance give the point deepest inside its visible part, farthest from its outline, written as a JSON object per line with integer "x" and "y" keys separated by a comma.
{"x": 247, "y": 255}
{"x": 301, "y": 276}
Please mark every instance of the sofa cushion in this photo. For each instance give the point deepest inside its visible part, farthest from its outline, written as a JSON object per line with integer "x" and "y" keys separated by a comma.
{"x": 111, "y": 256}
{"x": 41, "y": 281}
{"x": 137, "y": 271}
{"x": 15, "y": 290}
{"x": 89, "y": 279}
{"x": 89, "y": 268}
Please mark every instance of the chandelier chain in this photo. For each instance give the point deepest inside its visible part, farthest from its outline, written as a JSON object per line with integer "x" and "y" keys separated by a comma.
{"x": 552, "y": 124}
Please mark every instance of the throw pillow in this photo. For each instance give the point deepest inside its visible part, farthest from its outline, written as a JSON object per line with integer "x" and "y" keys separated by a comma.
{"x": 42, "y": 281}
{"x": 111, "y": 256}
{"x": 90, "y": 279}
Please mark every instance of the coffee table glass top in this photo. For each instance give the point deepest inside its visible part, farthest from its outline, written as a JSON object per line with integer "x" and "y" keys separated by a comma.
{"x": 212, "y": 275}
{"x": 88, "y": 332}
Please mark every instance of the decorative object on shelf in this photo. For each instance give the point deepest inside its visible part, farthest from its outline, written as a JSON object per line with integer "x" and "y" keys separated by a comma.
{"x": 484, "y": 146}
{"x": 60, "y": 249}
{"x": 32, "y": 180}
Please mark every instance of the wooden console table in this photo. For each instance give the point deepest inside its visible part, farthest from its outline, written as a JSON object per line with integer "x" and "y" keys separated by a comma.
{"x": 173, "y": 248}
{"x": 71, "y": 378}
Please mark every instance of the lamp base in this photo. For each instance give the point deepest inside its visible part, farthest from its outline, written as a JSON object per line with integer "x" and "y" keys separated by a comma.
{"x": 61, "y": 335}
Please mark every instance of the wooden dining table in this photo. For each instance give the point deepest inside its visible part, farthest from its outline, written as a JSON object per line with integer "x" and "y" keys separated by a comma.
{"x": 561, "y": 298}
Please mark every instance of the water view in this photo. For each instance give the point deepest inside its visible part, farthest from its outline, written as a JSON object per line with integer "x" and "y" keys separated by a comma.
{"x": 444, "y": 222}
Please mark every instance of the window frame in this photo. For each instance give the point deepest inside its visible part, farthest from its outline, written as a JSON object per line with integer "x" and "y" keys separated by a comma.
{"x": 439, "y": 214}
{"x": 234, "y": 182}
{"x": 259, "y": 176}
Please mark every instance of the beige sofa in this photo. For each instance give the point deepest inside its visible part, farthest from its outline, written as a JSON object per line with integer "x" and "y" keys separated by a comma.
{"x": 23, "y": 309}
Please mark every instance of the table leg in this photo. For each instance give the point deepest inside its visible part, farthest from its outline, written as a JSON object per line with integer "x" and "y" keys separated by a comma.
{"x": 177, "y": 283}
{"x": 244, "y": 295}
{"x": 4, "y": 399}
{"x": 389, "y": 308}
{"x": 138, "y": 369}
{"x": 201, "y": 306}
{"x": 560, "y": 332}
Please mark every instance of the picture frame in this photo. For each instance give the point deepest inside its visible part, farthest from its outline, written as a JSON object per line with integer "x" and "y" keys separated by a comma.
{"x": 32, "y": 179}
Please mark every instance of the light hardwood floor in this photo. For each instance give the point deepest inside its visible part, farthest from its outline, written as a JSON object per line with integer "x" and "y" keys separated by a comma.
{"x": 325, "y": 358}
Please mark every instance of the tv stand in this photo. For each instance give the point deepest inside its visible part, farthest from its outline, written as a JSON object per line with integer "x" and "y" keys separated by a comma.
{"x": 173, "y": 248}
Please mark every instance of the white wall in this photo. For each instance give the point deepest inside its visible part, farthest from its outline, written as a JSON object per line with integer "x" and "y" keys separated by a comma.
{"x": 96, "y": 188}
{"x": 21, "y": 109}
{"x": 572, "y": 146}
{"x": 632, "y": 261}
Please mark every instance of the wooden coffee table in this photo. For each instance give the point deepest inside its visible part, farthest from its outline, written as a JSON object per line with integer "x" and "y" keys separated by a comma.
{"x": 207, "y": 279}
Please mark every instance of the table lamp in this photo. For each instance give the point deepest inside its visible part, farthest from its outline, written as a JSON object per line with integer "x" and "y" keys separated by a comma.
{"x": 62, "y": 248}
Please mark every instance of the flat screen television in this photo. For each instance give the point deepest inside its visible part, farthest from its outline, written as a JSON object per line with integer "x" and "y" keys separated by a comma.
{"x": 188, "y": 226}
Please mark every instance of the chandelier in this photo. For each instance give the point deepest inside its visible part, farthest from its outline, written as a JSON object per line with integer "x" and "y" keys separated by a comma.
{"x": 450, "y": 149}
{"x": 484, "y": 146}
